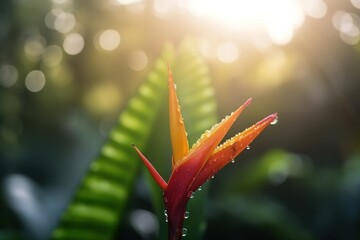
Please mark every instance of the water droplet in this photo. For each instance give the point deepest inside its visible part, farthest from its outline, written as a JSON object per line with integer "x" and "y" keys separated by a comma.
{"x": 192, "y": 194}
{"x": 184, "y": 232}
{"x": 199, "y": 188}
{"x": 248, "y": 147}
{"x": 186, "y": 215}
{"x": 212, "y": 176}
{"x": 275, "y": 121}
{"x": 233, "y": 161}
{"x": 166, "y": 216}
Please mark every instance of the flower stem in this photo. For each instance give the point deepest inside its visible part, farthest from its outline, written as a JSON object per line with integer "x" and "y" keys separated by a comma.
{"x": 176, "y": 212}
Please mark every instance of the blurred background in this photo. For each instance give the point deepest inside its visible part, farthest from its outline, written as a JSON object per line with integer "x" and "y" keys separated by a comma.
{"x": 68, "y": 67}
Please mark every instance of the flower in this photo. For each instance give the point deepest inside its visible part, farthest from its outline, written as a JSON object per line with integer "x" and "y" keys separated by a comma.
{"x": 193, "y": 167}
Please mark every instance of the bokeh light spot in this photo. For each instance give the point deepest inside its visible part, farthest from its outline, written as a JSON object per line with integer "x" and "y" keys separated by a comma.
{"x": 204, "y": 46}
{"x": 103, "y": 98}
{"x": 162, "y": 8}
{"x": 34, "y": 47}
{"x": 350, "y": 34}
{"x": 273, "y": 70}
{"x": 60, "y": 1}
{"x": 109, "y": 39}
{"x": 228, "y": 52}
{"x": 355, "y": 3}
{"x": 346, "y": 23}
{"x": 315, "y": 8}
{"x": 73, "y": 43}
{"x": 64, "y": 22}
{"x": 35, "y": 81}
{"x": 8, "y": 75}
{"x": 52, "y": 56}
{"x": 144, "y": 222}
{"x": 262, "y": 42}
{"x": 138, "y": 60}
{"x": 340, "y": 18}
{"x": 281, "y": 32}
{"x": 51, "y": 17}
{"x": 127, "y": 2}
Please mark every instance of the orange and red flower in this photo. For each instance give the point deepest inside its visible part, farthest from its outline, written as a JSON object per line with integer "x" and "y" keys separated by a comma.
{"x": 193, "y": 167}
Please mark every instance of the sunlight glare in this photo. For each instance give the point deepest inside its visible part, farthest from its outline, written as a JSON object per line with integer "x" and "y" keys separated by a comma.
{"x": 278, "y": 18}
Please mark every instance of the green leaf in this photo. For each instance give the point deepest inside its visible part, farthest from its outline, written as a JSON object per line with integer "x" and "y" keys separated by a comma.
{"x": 99, "y": 203}
{"x": 198, "y": 106}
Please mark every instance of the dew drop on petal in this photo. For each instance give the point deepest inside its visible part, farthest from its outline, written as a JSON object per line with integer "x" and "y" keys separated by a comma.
{"x": 199, "y": 188}
{"x": 233, "y": 161}
{"x": 184, "y": 232}
{"x": 275, "y": 121}
{"x": 186, "y": 215}
{"x": 213, "y": 177}
{"x": 248, "y": 147}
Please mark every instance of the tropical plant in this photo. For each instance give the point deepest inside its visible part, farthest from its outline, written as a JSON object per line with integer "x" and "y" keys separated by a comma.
{"x": 98, "y": 206}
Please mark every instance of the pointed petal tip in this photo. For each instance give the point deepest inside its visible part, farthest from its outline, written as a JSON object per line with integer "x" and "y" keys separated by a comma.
{"x": 247, "y": 103}
{"x": 169, "y": 69}
{"x": 179, "y": 142}
{"x": 243, "y": 106}
{"x": 170, "y": 77}
{"x": 271, "y": 117}
{"x": 157, "y": 177}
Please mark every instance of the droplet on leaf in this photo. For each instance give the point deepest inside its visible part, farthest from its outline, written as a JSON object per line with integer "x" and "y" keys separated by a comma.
{"x": 192, "y": 195}
{"x": 184, "y": 232}
{"x": 186, "y": 215}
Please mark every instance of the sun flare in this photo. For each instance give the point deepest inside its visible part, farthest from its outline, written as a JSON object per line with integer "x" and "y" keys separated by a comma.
{"x": 278, "y": 18}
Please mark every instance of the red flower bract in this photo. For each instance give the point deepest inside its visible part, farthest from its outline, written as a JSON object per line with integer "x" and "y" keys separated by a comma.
{"x": 192, "y": 167}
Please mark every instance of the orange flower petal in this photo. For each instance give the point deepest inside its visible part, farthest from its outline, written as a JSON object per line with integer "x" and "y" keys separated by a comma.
{"x": 211, "y": 138}
{"x": 179, "y": 142}
{"x": 229, "y": 150}
{"x": 187, "y": 170}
